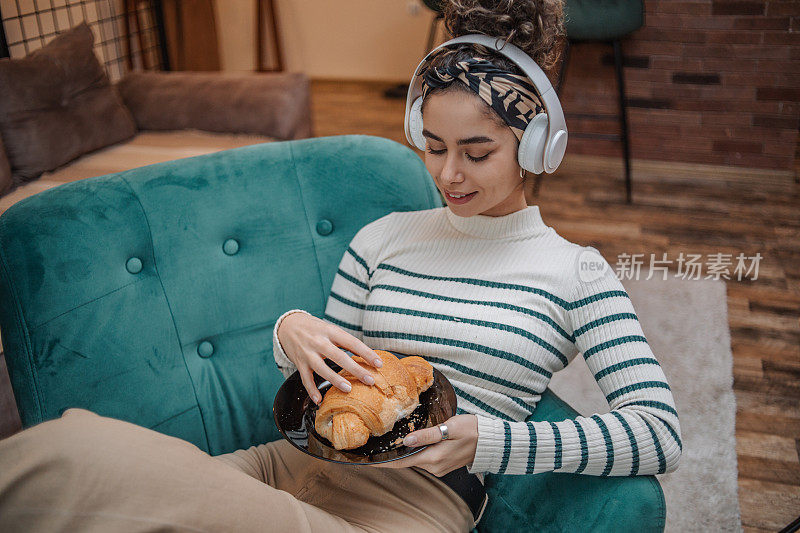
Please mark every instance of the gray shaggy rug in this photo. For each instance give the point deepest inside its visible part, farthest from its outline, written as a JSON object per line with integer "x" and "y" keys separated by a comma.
{"x": 686, "y": 324}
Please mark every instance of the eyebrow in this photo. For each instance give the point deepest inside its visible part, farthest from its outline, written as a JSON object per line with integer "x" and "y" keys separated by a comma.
{"x": 470, "y": 140}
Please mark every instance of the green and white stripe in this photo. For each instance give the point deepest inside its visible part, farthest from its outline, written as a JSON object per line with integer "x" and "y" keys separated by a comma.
{"x": 496, "y": 305}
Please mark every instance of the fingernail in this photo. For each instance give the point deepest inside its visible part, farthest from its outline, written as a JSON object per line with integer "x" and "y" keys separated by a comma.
{"x": 369, "y": 380}
{"x": 346, "y": 387}
{"x": 410, "y": 440}
{"x": 378, "y": 363}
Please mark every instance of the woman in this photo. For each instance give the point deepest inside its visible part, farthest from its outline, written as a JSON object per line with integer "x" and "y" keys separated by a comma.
{"x": 482, "y": 288}
{"x": 488, "y": 293}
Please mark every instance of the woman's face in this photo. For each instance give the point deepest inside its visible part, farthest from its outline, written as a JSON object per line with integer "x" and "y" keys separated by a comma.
{"x": 468, "y": 152}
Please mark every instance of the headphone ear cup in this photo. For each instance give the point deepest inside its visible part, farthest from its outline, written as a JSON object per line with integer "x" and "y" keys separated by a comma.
{"x": 415, "y": 124}
{"x": 531, "y": 147}
{"x": 559, "y": 146}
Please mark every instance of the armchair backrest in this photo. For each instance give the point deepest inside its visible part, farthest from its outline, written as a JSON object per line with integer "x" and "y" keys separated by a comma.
{"x": 150, "y": 295}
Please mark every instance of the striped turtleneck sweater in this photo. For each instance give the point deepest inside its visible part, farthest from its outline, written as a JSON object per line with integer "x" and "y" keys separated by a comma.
{"x": 498, "y": 304}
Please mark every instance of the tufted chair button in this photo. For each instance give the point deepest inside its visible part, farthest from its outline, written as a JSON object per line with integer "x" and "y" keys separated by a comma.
{"x": 205, "y": 349}
{"x": 324, "y": 226}
{"x": 134, "y": 265}
{"x": 231, "y": 246}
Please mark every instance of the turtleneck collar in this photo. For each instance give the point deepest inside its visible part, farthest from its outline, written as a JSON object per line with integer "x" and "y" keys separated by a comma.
{"x": 525, "y": 222}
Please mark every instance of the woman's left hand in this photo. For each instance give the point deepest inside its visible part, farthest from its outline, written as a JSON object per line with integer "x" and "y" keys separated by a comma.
{"x": 442, "y": 456}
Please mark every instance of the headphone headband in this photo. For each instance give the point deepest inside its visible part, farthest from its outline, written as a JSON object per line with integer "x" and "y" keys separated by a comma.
{"x": 550, "y": 101}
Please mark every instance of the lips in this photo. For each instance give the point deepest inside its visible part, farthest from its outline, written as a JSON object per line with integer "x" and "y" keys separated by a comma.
{"x": 463, "y": 200}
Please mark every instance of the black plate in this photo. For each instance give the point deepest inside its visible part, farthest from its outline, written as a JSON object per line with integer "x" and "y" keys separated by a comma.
{"x": 294, "y": 413}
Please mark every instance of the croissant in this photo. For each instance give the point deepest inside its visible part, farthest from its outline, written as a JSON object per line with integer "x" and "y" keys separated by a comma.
{"x": 348, "y": 419}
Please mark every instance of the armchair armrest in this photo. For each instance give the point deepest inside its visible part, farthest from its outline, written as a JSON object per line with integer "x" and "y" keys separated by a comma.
{"x": 272, "y": 104}
{"x": 561, "y": 501}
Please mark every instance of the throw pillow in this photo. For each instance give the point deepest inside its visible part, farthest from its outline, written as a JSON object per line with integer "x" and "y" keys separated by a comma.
{"x": 57, "y": 105}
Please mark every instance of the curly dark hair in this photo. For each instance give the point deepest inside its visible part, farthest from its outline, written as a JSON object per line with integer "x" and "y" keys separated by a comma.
{"x": 535, "y": 26}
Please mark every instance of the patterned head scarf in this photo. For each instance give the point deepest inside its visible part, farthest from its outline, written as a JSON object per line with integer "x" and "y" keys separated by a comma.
{"x": 513, "y": 97}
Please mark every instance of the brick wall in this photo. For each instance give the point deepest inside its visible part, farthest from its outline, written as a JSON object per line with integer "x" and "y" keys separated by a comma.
{"x": 707, "y": 81}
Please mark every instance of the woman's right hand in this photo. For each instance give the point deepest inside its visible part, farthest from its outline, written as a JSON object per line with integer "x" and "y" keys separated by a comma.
{"x": 307, "y": 341}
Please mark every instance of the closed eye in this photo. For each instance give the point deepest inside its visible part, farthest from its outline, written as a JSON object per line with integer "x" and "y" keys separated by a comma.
{"x": 475, "y": 159}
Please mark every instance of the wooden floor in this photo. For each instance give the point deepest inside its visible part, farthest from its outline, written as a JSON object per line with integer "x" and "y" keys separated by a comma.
{"x": 676, "y": 208}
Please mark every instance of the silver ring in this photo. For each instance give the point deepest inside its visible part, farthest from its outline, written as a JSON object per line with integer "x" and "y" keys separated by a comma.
{"x": 445, "y": 432}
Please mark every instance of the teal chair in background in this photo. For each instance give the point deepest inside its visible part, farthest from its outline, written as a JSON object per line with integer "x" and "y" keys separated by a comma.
{"x": 605, "y": 21}
{"x": 150, "y": 296}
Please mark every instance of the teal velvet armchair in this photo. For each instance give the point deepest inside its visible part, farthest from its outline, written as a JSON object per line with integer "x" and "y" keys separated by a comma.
{"x": 150, "y": 295}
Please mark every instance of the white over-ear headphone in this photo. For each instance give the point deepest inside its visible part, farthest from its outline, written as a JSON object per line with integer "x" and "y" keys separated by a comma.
{"x": 544, "y": 142}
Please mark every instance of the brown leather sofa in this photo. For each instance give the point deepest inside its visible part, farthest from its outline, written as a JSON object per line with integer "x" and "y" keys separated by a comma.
{"x": 182, "y": 114}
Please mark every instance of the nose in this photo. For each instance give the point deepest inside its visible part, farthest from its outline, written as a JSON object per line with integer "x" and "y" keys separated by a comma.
{"x": 451, "y": 172}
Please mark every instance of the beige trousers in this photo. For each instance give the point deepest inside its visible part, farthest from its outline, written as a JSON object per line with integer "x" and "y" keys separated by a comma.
{"x": 86, "y": 472}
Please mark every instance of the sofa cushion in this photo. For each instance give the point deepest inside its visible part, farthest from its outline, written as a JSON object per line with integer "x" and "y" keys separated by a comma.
{"x": 58, "y": 104}
{"x": 274, "y": 104}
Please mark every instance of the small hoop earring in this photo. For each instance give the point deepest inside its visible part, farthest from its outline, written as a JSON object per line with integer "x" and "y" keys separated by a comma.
{"x": 521, "y": 172}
